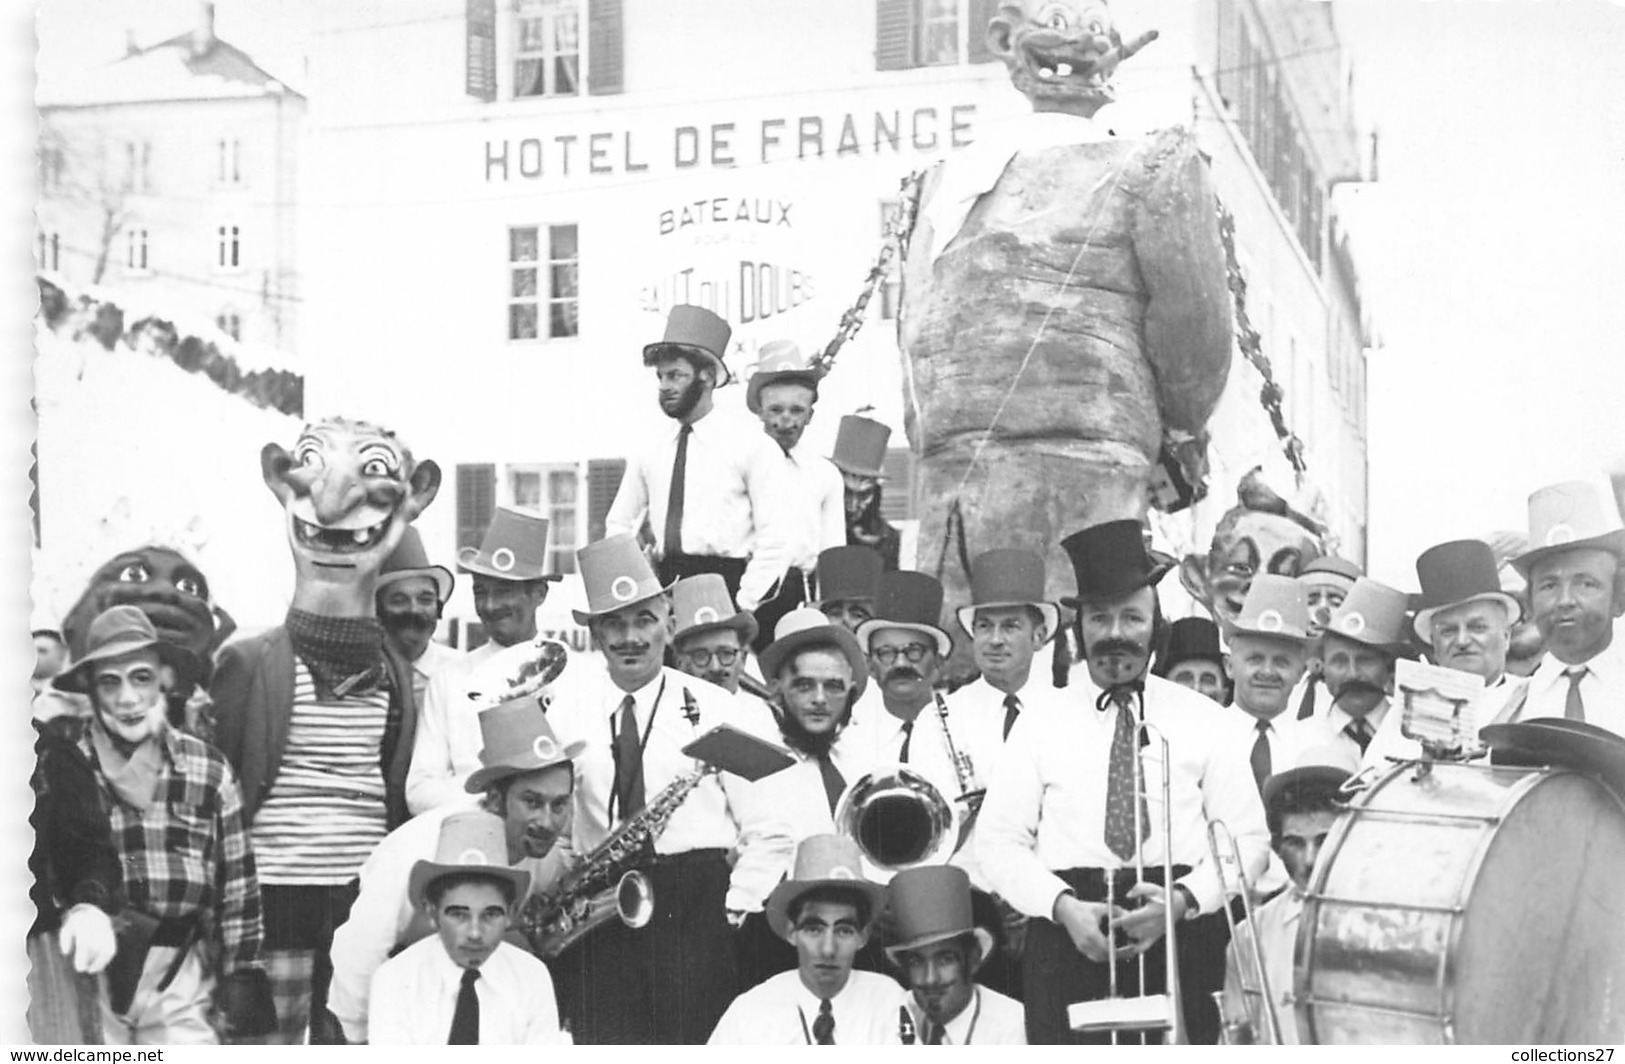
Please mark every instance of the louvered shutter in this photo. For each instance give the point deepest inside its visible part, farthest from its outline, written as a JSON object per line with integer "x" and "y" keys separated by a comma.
{"x": 603, "y": 480}
{"x": 480, "y": 34}
{"x": 606, "y": 52}
{"x": 476, "y": 502}
{"x": 897, "y": 493}
{"x": 981, "y": 13}
{"x": 894, "y": 34}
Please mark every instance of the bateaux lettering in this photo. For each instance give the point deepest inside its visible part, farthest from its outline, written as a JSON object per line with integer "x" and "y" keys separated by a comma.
{"x": 724, "y": 209}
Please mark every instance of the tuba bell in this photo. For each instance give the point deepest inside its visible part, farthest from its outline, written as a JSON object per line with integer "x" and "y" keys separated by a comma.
{"x": 899, "y": 819}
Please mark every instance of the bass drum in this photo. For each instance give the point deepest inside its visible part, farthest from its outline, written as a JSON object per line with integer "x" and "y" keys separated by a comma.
{"x": 1465, "y": 904}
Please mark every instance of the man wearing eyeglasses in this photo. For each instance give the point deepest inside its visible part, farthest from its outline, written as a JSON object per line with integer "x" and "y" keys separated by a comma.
{"x": 711, "y": 636}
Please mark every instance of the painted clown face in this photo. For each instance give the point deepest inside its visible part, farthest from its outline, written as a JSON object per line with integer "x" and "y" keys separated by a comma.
{"x": 1246, "y": 543}
{"x": 1060, "y": 53}
{"x": 170, "y": 590}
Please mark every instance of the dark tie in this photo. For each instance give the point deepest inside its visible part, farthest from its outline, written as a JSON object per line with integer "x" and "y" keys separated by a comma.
{"x": 933, "y": 1033}
{"x": 1306, "y": 708}
{"x": 1012, "y": 710}
{"x": 1120, "y": 797}
{"x": 1261, "y": 755}
{"x": 908, "y": 737}
{"x": 672, "y": 542}
{"x": 465, "y": 1020}
{"x": 628, "y": 762}
{"x": 1573, "y": 708}
{"x": 824, "y": 1025}
{"x": 834, "y": 784}
{"x": 1359, "y": 729}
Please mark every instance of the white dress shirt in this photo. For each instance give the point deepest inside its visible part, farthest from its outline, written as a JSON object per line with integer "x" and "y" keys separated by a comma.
{"x": 383, "y": 917}
{"x": 736, "y": 498}
{"x": 436, "y": 657}
{"x": 780, "y": 1012}
{"x": 991, "y": 1019}
{"x": 1384, "y": 741}
{"x": 819, "y": 496}
{"x": 877, "y": 735}
{"x": 1602, "y": 689}
{"x": 588, "y": 710}
{"x": 797, "y": 793}
{"x": 1046, "y": 806}
{"x": 1278, "y": 933}
{"x": 446, "y": 745}
{"x": 1288, "y": 738}
{"x": 414, "y": 996}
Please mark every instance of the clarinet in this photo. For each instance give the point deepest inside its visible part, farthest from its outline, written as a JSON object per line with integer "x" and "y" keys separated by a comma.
{"x": 964, "y": 768}
{"x": 905, "y": 1026}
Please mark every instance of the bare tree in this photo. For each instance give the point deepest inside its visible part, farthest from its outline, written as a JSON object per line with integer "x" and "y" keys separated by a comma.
{"x": 84, "y": 171}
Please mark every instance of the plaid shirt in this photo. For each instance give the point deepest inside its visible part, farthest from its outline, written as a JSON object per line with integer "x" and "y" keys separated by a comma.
{"x": 188, "y": 853}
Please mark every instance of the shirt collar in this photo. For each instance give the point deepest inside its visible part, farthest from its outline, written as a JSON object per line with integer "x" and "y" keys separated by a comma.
{"x": 1551, "y": 671}
{"x": 447, "y": 972}
{"x": 957, "y": 1031}
{"x": 1338, "y": 718}
{"x": 644, "y": 697}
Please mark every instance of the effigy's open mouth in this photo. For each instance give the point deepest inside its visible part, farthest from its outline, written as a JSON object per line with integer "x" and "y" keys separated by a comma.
{"x": 1065, "y": 65}
{"x": 339, "y": 540}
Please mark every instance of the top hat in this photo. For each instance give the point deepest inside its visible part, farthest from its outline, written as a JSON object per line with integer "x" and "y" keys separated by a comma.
{"x": 932, "y": 904}
{"x": 780, "y": 362}
{"x": 1275, "y": 605}
{"x": 516, "y": 738}
{"x": 702, "y": 604}
{"x": 472, "y": 841}
{"x": 849, "y": 573}
{"x": 1009, "y": 578}
{"x": 860, "y": 447}
{"x": 806, "y": 627}
{"x": 822, "y": 861}
{"x": 514, "y": 547}
{"x": 1328, "y": 766}
{"x": 1330, "y": 569}
{"x": 1111, "y": 559}
{"x": 908, "y": 600}
{"x": 616, "y": 575}
{"x": 1569, "y": 516}
{"x": 1372, "y": 614}
{"x": 1190, "y": 639}
{"x": 692, "y": 330}
{"x": 121, "y": 630}
{"x": 410, "y": 559}
{"x": 1456, "y": 573}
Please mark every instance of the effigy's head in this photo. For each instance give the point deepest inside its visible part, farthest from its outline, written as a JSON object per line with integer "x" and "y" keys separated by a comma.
{"x": 1261, "y": 534}
{"x": 164, "y": 584}
{"x": 1061, "y": 54}
{"x": 348, "y": 489}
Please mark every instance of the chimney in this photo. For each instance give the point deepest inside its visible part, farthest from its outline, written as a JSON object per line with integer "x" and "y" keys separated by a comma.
{"x": 203, "y": 33}
{"x": 130, "y": 47}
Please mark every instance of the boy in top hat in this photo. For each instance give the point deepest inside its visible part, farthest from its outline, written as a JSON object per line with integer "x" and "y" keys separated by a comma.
{"x": 1060, "y": 818}
{"x": 860, "y": 455}
{"x": 1364, "y": 638}
{"x": 715, "y": 492}
{"x": 1326, "y": 581}
{"x": 464, "y": 985}
{"x": 1576, "y": 574}
{"x": 1465, "y": 617}
{"x": 177, "y": 824}
{"x": 527, "y": 779}
{"x": 510, "y": 582}
{"x": 826, "y": 910}
{"x": 939, "y": 950}
{"x": 711, "y": 637}
{"x": 412, "y": 595}
{"x": 848, "y": 585}
{"x": 670, "y": 981}
{"x": 1193, "y": 659}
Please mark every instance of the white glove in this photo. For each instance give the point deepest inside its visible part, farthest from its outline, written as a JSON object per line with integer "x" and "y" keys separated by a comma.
{"x": 87, "y": 937}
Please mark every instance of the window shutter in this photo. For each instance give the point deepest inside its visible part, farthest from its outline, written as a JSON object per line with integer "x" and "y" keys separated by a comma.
{"x": 981, "y": 13}
{"x": 603, "y": 480}
{"x": 480, "y": 35}
{"x": 476, "y": 502}
{"x": 606, "y": 55}
{"x": 897, "y": 493}
{"x": 894, "y": 34}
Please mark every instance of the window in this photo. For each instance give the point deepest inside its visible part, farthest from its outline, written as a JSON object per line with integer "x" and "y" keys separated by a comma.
{"x": 137, "y": 166}
{"x": 229, "y": 161}
{"x": 547, "y": 48}
{"x": 229, "y": 249}
{"x": 476, "y": 488}
{"x": 557, "y": 46}
{"x": 49, "y": 251}
{"x": 53, "y": 161}
{"x": 543, "y": 282}
{"x": 230, "y": 323}
{"x": 135, "y": 257}
{"x": 553, "y": 491}
{"x": 921, "y": 33}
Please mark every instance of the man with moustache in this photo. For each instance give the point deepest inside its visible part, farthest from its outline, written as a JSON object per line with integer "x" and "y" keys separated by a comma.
{"x": 1363, "y": 639}
{"x": 1059, "y": 820}
{"x": 1326, "y": 583}
{"x": 715, "y": 492}
{"x": 670, "y": 981}
{"x": 848, "y": 585}
{"x": 712, "y": 637}
{"x": 411, "y": 596}
{"x": 510, "y": 582}
{"x": 1576, "y": 575}
{"x": 1466, "y": 619}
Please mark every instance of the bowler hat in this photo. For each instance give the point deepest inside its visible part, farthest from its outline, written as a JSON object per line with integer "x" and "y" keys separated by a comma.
{"x": 803, "y": 628}
{"x": 932, "y": 904}
{"x": 1570, "y": 516}
{"x": 850, "y": 573}
{"x": 780, "y": 362}
{"x": 1372, "y": 614}
{"x": 1190, "y": 639}
{"x": 517, "y": 739}
{"x": 1330, "y": 569}
{"x": 908, "y": 600}
{"x": 472, "y": 842}
{"x": 116, "y": 632}
{"x": 822, "y": 861}
{"x": 1456, "y": 573}
{"x": 860, "y": 447}
{"x": 1009, "y": 578}
{"x": 514, "y": 547}
{"x": 1275, "y": 606}
{"x": 702, "y": 604}
{"x": 1111, "y": 560}
{"x": 616, "y": 575}
{"x": 410, "y": 559}
{"x": 692, "y": 330}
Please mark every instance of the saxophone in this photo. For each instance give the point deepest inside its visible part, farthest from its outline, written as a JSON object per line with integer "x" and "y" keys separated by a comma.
{"x": 606, "y": 883}
{"x": 971, "y": 792}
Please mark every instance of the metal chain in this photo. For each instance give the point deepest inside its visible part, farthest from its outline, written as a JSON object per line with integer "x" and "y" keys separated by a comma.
{"x": 898, "y": 229}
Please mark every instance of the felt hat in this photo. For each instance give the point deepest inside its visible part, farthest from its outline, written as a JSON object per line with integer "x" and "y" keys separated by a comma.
{"x": 932, "y": 904}
{"x": 516, "y": 738}
{"x": 806, "y": 627}
{"x": 514, "y": 547}
{"x": 410, "y": 559}
{"x": 1372, "y": 614}
{"x": 1456, "y": 573}
{"x": 1569, "y": 516}
{"x": 1330, "y": 569}
{"x": 1008, "y": 578}
{"x": 1328, "y": 765}
{"x": 908, "y": 600}
{"x": 822, "y": 861}
{"x": 692, "y": 330}
{"x": 1275, "y": 605}
{"x": 780, "y": 362}
{"x": 121, "y": 630}
{"x": 472, "y": 841}
{"x": 616, "y": 574}
{"x": 850, "y": 573}
{"x": 1111, "y": 559}
{"x": 860, "y": 447}
{"x": 702, "y": 604}
{"x": 1190, "y": 639}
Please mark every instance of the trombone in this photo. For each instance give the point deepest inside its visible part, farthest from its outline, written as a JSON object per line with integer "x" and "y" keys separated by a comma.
{"x": 1241, "y": 1030}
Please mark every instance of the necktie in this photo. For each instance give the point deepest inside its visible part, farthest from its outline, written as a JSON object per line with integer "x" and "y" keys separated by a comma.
{"x": 628, "y": 761}
{"x": 834, "y": 784}
{"x": 908, "y": 737}
{"x": 1121, "y": 804}
{"x": 824, "y": 1025}
{"x": 465, "y": 1019}
{"x": 1306, "y": 708}
{"x": 1012, "y": 710}
{"x": 672, "y": 541}
{"x": 933, "y": 1033}
{"x": 1261, "y": 754}
{"x": 1573, "y": 708}
{"x": 1359, "y": 729}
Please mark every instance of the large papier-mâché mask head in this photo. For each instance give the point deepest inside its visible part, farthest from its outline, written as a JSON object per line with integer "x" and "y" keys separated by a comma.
{"x": 349, "y": 489}
{"x": 164, "y": 585}
{"x": 1260, "y": 535}
{"x": 1061, "y": 54}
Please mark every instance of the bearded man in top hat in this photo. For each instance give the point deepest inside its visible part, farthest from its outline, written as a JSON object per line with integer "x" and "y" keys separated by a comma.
{"x": 711, "y": 638}
{"x": 1364, "y": 638}
{"x": 1193, "y": 658}
{"x": 860, "y": 455}
{"x": 667, "y": 982}
{"x": 1466, "y": 619}
{"x": 1326, "y": 581}
{"x": 1058, "y": 834}
{"x": 715, "y": 492}
{"x": 848, "y": 585}
{"x": 1576, "y": 575}
{"x": 412, "y": 595}
{"x": 510, "y": 581}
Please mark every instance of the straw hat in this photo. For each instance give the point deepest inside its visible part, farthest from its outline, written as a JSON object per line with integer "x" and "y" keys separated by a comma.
{"x": 472, "y": 841}
{"x": 822, "y": 861}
